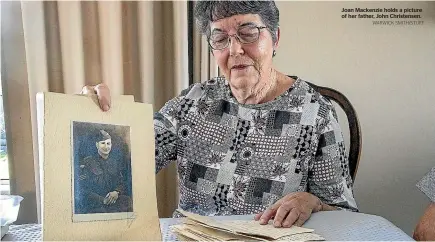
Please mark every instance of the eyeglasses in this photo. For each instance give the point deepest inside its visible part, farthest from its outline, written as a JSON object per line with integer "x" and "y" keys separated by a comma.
{"x": 245, "y": 35}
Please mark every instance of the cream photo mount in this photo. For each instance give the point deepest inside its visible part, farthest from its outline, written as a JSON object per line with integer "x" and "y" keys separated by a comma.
{"x": 56, "y": 114}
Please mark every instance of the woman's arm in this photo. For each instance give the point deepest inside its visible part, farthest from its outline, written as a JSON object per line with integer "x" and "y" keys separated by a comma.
{"x": 329, "y": 177}
{"x": 166, "y": 122}
{"x": 425, "y": 230}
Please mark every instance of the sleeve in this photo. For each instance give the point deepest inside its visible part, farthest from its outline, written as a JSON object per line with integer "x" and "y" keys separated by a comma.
{"x": 329, "y": 177}
{"x": 121, "y": 178}
{"x": 427, "y": 184}
{"x": 85, "y": 186}
{"x": 165, "y": 129}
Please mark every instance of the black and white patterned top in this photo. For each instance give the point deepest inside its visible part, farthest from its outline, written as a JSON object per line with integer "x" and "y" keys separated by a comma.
{"x": 427, "y": 184}
{"x": 239, "y": 159}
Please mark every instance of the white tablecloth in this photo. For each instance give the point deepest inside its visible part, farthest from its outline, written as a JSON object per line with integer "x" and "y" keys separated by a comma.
{"x": 332, "y": 225}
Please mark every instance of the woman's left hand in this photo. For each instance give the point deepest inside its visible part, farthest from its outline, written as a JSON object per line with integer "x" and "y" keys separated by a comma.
{"x": 293, "y": 209}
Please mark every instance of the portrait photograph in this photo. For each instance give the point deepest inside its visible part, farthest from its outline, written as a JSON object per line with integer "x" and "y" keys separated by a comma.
{"x": 102, "y": 180}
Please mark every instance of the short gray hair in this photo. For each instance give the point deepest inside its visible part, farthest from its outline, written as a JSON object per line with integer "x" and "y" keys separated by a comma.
{"x": 208, "y": 11}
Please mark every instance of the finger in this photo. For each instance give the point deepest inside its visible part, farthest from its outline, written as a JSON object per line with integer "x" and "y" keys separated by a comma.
{"x": 282, "y": 213}
{"x": 303, "y": 217}
{"x": 258, "y": 216}
{"x": 292, "y": 217}
{"x": 106, "y": 199}
{"x": 103, "y": 94}
{"x": 269, "y": 213}
{"x": 88, "y": 90}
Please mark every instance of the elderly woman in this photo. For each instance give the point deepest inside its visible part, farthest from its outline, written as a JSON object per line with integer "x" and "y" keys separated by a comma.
{"x": 255, "y": 140}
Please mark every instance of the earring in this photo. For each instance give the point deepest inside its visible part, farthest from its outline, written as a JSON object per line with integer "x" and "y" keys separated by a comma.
{"x": 274, "y": 53}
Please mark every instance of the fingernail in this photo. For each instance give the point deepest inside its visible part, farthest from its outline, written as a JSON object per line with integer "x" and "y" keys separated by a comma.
{"x": 263, "y": 221}
{"x": 106, "y": 107}
{"x": 286, "y": 224}
{"x": 277, "y": 224}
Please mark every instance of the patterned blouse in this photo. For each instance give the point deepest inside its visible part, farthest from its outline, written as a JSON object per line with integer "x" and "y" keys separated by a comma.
{"x": 239, "y": 159}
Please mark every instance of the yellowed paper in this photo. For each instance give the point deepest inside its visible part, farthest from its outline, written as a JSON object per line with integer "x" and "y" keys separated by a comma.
{"x": 56, "y": 115}
{"x": 216, "y": 234}
{"x": 181, "y": 237}
{"x": 255, "y": 228}
{"x": 247, "y": 227}
{"x": 206, "y": 232}
{"x": 186, "y": 233}
{"x": 195, "y": 231}
{"x": 249, "y": 237}
{"x": 207, "y": 221}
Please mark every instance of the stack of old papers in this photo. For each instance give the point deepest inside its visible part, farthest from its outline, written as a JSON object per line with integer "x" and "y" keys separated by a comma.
{"x": 200, "y": 228}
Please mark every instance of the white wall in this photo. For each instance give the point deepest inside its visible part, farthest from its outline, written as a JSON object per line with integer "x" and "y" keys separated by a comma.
{"x": 388, "y": 73}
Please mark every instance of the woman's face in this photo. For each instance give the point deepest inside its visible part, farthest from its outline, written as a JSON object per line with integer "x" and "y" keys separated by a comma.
{"x": 243, "y": 65}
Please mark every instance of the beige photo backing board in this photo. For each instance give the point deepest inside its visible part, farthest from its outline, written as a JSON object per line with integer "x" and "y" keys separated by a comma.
{"x": 97, "y": 169}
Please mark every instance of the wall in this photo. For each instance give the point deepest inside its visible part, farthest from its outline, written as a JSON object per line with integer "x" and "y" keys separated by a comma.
{"x": 388, "y": 73}
{"x": 16, "y": 103}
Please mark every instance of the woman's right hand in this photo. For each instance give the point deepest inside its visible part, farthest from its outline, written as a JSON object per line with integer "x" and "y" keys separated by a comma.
{"x": 103, "y": 93}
